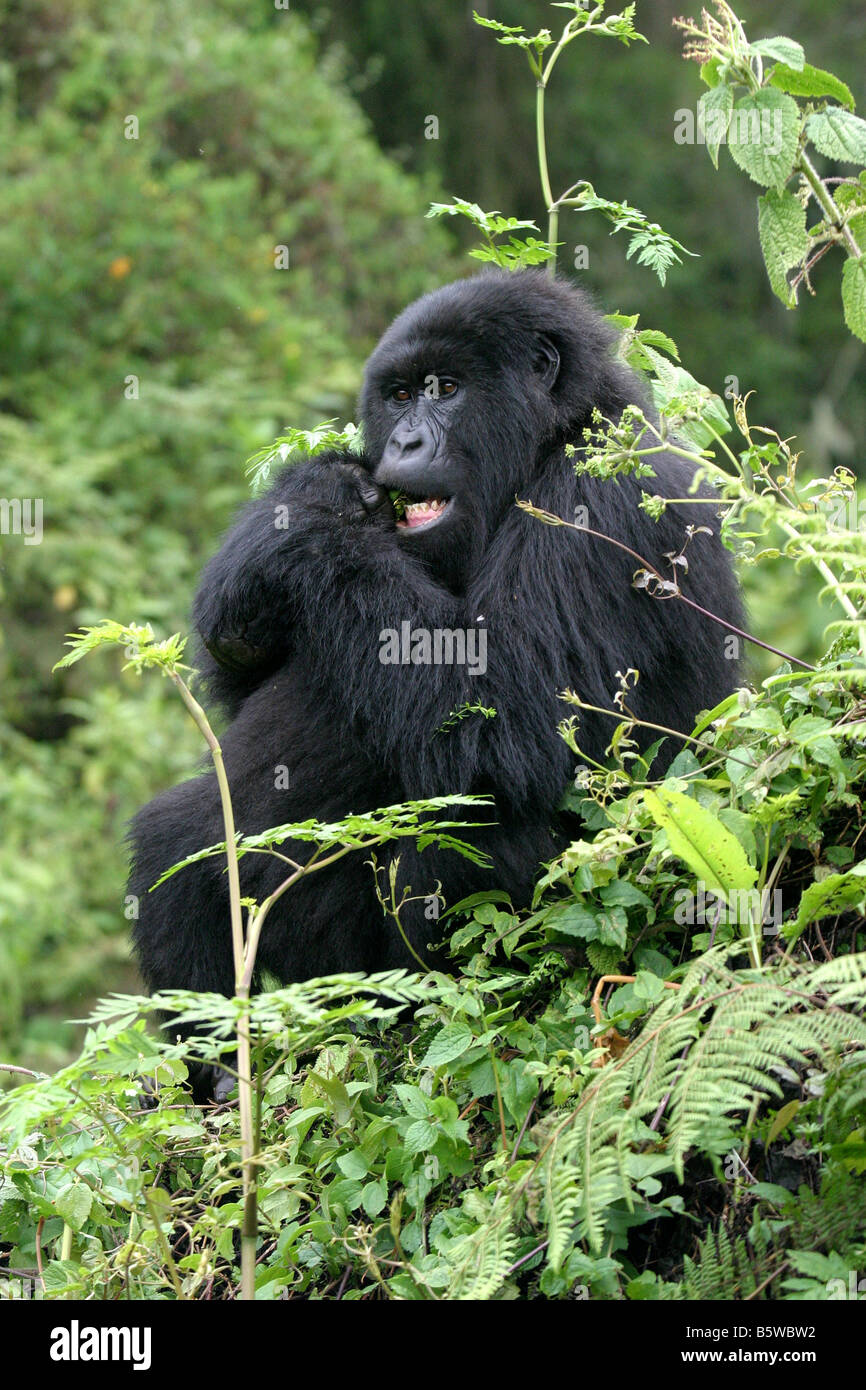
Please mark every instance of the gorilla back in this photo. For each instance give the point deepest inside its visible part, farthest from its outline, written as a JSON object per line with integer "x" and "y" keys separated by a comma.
{"x": 341, "y": 640}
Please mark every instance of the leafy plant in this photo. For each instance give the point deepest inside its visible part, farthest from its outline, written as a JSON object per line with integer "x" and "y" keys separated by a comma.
{"x": 769, "y": 105}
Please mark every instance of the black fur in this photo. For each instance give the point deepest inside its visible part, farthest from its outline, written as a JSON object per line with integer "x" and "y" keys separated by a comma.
{"x": 291, "y": 618}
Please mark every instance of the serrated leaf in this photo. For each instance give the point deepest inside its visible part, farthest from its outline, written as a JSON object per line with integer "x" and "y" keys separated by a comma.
{"x": 449, "y": 1044}
{"x": 714, "y": 115}
{"x": 784, "y": 239}
{"x": 655, "y": 338}
{"x": 786, "y": 50}
{"x": 420, "y": 1136}
{"x": 810, "y": 82}
{"x": 353, "y": 1164}
{"x": 763, "y": 135}
{"x": 603, "y": 959}
{"x": 699, "y": 838}
{"x": 73, "y": 1204}
{"x": 613, "y": 927}
{"x": 572, "y": 919}
{"x": 838, "y": 134}
{"x": 854, "y": 296}
{"x": 413, "y": 1100}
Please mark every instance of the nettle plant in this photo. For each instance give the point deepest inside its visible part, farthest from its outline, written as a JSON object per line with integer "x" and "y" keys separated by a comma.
{"x": 594, "y": 1104}
{"x": 773, "y": 110}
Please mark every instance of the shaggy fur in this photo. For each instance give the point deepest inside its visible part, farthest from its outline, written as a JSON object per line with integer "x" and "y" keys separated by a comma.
{"x": 293, "y": 615}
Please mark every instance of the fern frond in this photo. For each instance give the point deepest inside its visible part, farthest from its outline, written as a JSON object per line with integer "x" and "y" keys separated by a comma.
{"x": 483, "y": 1258}
{"x": 705, "y": 1054}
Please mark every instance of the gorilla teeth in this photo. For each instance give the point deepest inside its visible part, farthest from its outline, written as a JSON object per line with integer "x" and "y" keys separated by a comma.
{"x": 417, "y": 513}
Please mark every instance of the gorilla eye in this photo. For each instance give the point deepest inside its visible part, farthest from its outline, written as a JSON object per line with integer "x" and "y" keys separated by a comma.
{"x": 401, "y": 393}
{"x": 447, "y": 387}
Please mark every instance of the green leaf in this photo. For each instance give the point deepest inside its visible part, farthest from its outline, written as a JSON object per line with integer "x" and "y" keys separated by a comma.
{"x": 782, "y": 1119}
{"x": 710, "y": 71}
{"x": 838, "y": 134}
{"x": 613, "y": 927}
{"x": 786, "y": 50}
{"x": 374, "y": 1196}
{"x": 700, "y": 839}
{"x": 335, "y": 1093}
{"x": 854, "y": 296}
{"x": 763, "y": 135}
{"x": 420, "y": 1136}
{"x": 413, "y": 1100}
{"x": 353, "y": 1164}
{"x": 784, "y": 239}
{"x": 572, "y": 919}
{"x": 449, "y": 1044}
{"x": 833, "y": 894}
{"x": 714, "y": 116}
{"x": 810, "y": 82}
{"x": 655, "y": 338}
{"x": 73, "y": 1204}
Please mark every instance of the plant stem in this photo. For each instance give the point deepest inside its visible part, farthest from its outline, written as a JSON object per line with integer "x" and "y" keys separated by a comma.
{"x": 828, "y": 204}
{"x": 554, "y": 520}
{"x": 210, "y": 738}
{"x": 242, "y": 990}
{"x": 544, "y": 172}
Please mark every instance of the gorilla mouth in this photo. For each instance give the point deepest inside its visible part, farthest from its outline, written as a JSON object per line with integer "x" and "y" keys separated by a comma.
{"x": 424, "y": 513}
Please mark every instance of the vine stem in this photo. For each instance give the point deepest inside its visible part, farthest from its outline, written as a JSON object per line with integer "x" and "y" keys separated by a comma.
{"x": 552, "y": 520}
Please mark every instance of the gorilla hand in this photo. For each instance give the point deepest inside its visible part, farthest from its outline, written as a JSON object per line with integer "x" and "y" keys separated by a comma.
{"x": 359, "y": 498}
{"x": 244, "y": 610}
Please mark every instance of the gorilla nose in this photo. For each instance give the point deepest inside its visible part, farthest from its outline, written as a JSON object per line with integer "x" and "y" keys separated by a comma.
{"x": 411, "y": 445}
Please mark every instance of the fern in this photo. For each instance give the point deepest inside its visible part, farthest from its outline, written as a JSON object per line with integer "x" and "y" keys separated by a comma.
{"x": 561, "y": 1198}
{"x": 705, "y": 1054}
{"x": 726, "y": 1268}
{"x": 482, "y": 1260}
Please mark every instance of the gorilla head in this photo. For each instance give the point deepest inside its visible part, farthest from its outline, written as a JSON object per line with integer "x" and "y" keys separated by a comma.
{"x": 466, "y": 391}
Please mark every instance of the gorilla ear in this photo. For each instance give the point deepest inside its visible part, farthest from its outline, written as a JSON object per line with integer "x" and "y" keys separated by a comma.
{"x": 545, "y": 362}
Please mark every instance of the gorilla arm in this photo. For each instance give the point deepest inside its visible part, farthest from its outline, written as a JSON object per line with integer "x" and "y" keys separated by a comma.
{"x": 317, "y": 562}
{"x": 244, "y": 610}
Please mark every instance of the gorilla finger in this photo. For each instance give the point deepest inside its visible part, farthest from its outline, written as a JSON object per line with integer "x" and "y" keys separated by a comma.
{"x": 371, "y": 494}
{"x": 235, "y": 653}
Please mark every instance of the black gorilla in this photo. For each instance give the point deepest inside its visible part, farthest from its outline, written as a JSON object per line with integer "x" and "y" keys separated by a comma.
{"x": 317, "y": 603}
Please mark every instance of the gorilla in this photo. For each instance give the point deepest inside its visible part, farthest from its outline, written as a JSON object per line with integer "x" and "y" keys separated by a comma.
{"x": 346, "y": 641}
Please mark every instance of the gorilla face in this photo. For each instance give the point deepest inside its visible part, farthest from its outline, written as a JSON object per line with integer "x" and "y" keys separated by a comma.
{"x": 456, "y": 399}
{"x": 422, "y": 458}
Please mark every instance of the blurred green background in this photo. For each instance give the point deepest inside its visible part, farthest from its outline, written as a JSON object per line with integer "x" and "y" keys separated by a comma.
{"x": 148, "y": 344}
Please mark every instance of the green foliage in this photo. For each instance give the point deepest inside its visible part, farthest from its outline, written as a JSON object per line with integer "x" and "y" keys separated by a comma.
{"x": 304, "y": 444}
{"x": 150, "y": 344}
{"x": 516, "y": 253}
{"x": 654, "y": 246}
{"x": 515, "y": 1138}
{"x": 582, "y": 20}
{"x": 784, "y": 107}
